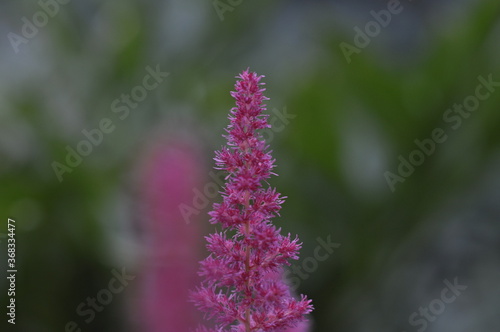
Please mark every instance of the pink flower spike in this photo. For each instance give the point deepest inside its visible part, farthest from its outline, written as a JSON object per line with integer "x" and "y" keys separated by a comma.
{"x": 241, "y": 290}
{"x": 171, "y": 168}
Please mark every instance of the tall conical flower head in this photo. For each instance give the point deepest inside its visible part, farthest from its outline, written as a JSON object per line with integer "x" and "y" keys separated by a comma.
{"x": 239, "y": 290}
{"x": 169, "y": 171}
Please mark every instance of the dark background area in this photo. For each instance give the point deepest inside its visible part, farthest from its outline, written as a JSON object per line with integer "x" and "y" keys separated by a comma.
{"x": 350, "y": 121}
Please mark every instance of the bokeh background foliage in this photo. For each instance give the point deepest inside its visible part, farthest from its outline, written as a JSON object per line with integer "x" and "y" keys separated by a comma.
{"x": 352, "y": 121}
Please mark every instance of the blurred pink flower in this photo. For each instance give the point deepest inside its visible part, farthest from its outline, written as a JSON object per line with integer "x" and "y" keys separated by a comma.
{"x": 171, "y": 171}
{"x": 240, "y": 289}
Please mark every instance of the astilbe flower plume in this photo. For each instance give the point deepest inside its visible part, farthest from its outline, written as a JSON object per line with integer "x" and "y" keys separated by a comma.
{"x": 168, "y": 172}
{"x": 240, "y": 290}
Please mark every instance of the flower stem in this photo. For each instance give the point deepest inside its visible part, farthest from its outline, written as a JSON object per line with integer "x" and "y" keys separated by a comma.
{"x": 247, "y": 263}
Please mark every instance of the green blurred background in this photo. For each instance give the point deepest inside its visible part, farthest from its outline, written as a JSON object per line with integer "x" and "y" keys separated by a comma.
{"x": 348, "y": 124}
